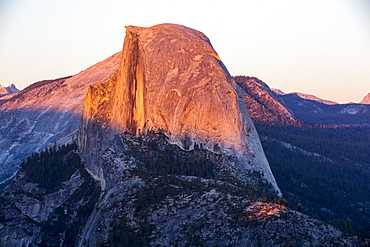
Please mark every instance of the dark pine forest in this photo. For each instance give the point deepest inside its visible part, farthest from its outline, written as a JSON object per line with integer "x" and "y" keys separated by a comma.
{"x": 327, "y": 170}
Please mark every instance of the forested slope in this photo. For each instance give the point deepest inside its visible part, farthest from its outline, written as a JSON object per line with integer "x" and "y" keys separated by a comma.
{"x": 327, "y": 170}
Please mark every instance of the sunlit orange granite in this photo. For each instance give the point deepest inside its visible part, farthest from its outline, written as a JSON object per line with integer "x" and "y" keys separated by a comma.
{"x": 171, "y": 79}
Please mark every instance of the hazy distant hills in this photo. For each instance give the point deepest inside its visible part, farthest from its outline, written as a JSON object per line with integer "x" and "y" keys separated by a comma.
{"x": 306, "y": 96}
{"x": 274, "y": 107}
{"x": 323, "y": 112}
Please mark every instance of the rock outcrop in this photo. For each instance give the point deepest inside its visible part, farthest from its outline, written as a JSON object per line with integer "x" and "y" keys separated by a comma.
{"x": 42, "y": 206}
{"x": 172, "y": 80}
{"x": 162, "y": 196}
{"x": 8, "y": 90}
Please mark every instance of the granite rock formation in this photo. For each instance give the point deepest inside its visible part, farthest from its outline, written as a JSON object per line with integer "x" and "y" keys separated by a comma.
{"x": 172, "y": 80}
{"x": 44, "y": 113}
{"x": 8, "y": 90}
{"x": 264, "y": 105}
{"x": 147, "y": 191}
{"x": 161, "y": 196}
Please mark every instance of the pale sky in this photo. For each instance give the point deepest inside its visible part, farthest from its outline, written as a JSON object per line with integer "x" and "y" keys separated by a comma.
{"x": 321, "y": 47}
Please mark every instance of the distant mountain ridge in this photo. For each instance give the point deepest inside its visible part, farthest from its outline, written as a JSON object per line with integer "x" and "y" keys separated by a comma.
{"x": 274, "y": 107}
{"x": 8, "y": 90}
{"x": 314, "y": 112}
{"x": 306, "y": 96}
{"x": 264, "y": 105}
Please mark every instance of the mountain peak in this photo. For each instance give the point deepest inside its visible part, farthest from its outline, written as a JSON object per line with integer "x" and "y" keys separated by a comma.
{"x": 8, "y": 90}
{"x": 171, "y": 79}
{"x": 264, "y": 105}
{"x": 277, "y": 91}
{"x": 366, "y": 99}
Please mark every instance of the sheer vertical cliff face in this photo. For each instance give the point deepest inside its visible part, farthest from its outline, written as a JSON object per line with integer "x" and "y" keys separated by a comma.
{"x": 171, "y": 79}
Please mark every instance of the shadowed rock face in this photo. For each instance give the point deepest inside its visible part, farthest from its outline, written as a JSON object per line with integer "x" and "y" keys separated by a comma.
{"x": 43, "y": 113}
{"x": 171, "y": 79}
